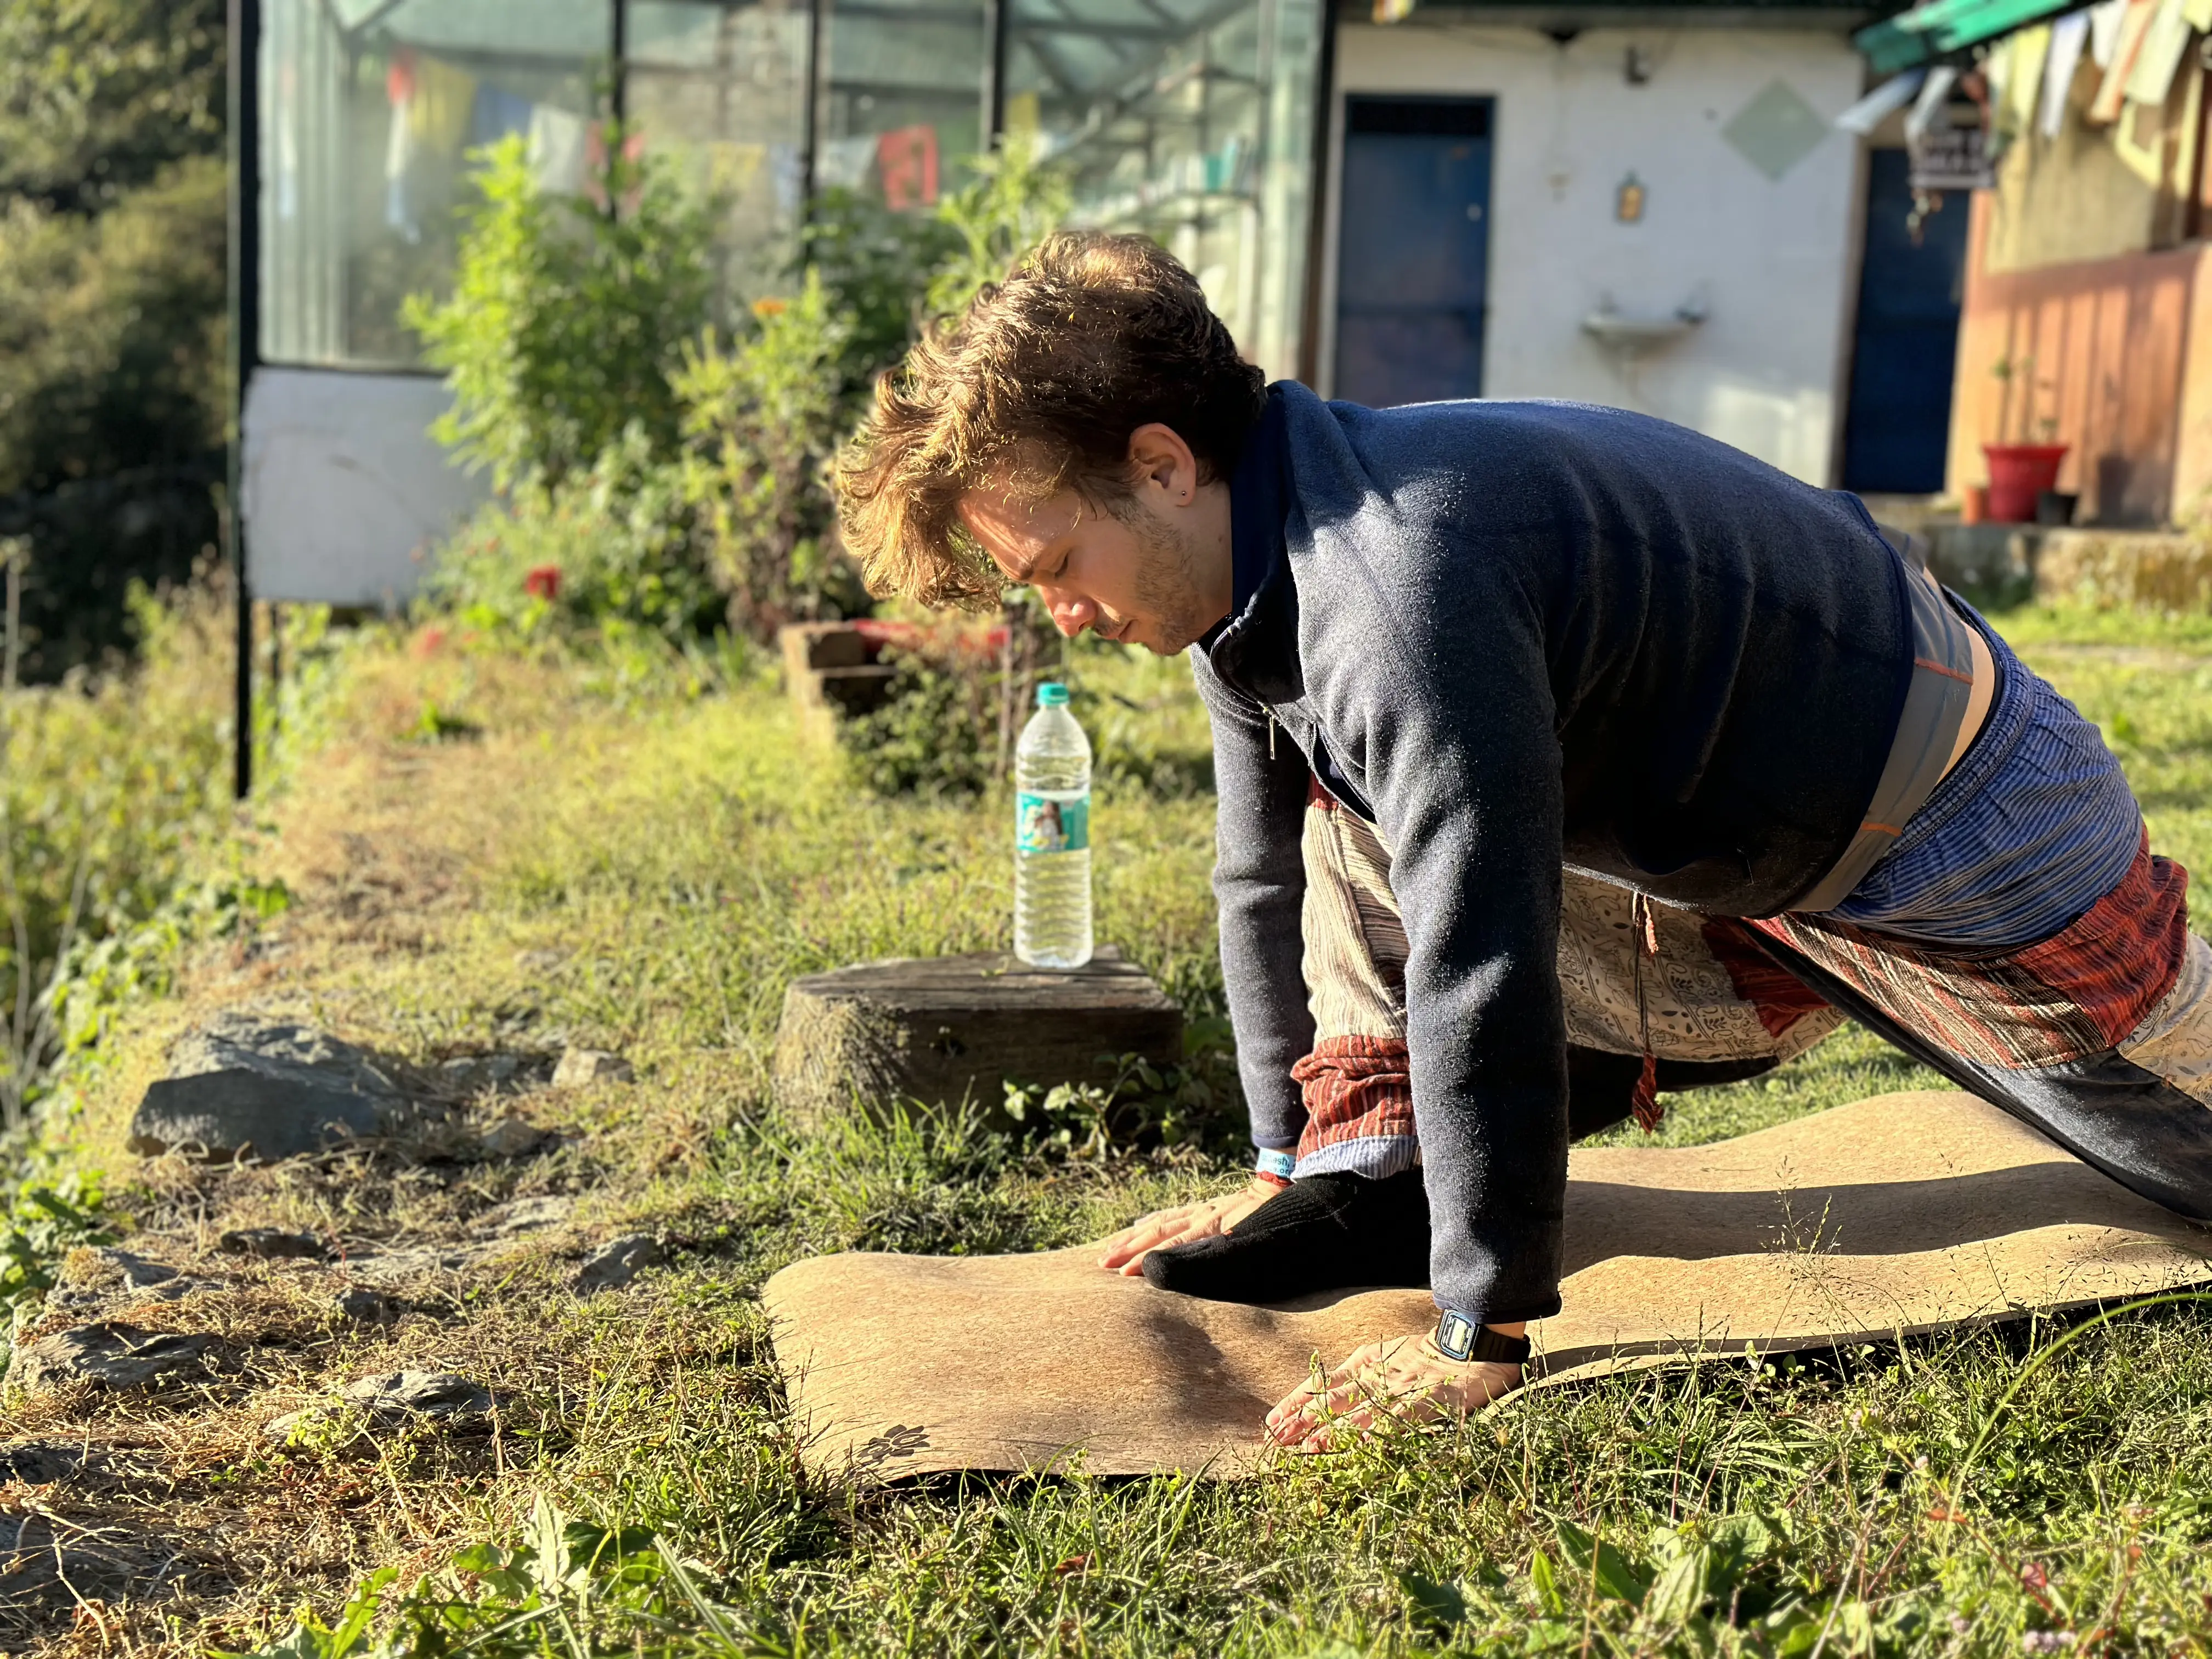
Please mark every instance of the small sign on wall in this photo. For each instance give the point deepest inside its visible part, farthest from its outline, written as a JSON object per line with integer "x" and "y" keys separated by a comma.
{"x": 1952, "y": 151}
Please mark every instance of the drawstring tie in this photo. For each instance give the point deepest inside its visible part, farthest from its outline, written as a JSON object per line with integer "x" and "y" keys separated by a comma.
{"x": 1643, "y": 1099}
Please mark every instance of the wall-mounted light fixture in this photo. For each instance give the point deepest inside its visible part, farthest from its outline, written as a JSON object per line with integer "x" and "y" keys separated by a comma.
{"x": 1628, "y": 201}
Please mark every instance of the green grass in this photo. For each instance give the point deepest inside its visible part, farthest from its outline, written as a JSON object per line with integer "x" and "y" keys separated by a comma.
{"x": 647, "y": 872}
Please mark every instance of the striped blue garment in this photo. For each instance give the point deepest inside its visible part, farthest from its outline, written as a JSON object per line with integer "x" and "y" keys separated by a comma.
{"x": 2035, "y": 825}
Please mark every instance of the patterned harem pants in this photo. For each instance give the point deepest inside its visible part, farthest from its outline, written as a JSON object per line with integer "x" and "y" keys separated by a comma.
{"x": 2100, "y": 1036}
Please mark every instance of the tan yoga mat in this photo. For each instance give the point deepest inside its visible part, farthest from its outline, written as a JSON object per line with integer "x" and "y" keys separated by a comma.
{"x": 1904, "y": 1213}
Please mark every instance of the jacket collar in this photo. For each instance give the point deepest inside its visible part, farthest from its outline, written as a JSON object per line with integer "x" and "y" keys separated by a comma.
{"x": 1255, "y": 649}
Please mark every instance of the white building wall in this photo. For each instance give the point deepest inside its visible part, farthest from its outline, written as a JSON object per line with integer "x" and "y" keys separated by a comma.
{"x": 1771, "y": 262}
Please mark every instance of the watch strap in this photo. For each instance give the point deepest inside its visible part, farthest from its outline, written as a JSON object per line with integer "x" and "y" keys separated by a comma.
{"x": 1459, "y": 1337}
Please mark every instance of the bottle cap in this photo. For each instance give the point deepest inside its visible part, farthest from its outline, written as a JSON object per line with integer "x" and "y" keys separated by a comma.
{"x": 1052, "y": 695}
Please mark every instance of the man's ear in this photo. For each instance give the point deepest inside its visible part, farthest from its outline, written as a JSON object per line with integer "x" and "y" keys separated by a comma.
{"x": 1159, "y": 457}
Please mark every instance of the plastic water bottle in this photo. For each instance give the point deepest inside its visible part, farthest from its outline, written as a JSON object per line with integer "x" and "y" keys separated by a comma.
{"x": 1052, "y": 837}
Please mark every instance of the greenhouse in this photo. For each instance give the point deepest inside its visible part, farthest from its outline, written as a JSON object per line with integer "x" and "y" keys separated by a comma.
{"x": 1191, "y": 119}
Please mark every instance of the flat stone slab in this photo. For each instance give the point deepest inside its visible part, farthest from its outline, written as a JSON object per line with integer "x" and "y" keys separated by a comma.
{"x": 616, "y": 1263}
{"x": 397, "y": 1399}
{"x": 247, "y": 1086}
{"x": 941, "y": 1029}
{"x": 271, "y": 1244}
{"x": 116, "y": 1356}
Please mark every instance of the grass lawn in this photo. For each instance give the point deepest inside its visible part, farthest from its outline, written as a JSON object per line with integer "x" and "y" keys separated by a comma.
{"x": 631, "y": 867}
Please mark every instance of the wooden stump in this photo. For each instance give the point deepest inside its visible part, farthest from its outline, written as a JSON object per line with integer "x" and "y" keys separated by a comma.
{"x": 940, "y": 1030}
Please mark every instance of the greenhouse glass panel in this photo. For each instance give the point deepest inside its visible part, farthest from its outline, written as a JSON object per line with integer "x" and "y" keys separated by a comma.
{"x": 1191, "y": 121}
{"x": 902, "y": 98}
{"x": 370, "y": 109}
{"x": 722, "y": 89}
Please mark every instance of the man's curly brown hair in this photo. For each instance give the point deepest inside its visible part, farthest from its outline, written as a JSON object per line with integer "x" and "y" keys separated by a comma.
{"x": 1035, "y": 387}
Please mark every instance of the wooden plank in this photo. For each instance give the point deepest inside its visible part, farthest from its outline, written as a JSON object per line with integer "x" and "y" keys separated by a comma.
{"x": 938, "y": 1030}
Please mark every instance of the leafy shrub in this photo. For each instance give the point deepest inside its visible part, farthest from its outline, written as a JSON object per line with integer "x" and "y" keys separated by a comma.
{"x": 1016, "y": 201}
{"x": 567, "y": 320}
{"x": 957, "y": 699}
{"x": 614, "y": 541}
{"x": 112, "y": 392}
{"x": 876, "y": 267}
{"x": 108, "y": 785}
{"x": 763, "y": 419}
{"x": 98, "y": 96}
{"x": 44, "y": 1225}
{"x": 650, "y": 462}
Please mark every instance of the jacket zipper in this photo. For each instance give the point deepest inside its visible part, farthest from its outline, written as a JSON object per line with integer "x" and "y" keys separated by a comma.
{"x": 1270, "y": 708}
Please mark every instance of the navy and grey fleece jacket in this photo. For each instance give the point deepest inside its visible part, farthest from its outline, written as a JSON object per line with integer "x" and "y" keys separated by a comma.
{"x": 1519, "y": 635}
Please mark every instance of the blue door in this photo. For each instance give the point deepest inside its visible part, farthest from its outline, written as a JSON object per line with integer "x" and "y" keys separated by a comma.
{"x": 1413, "y": 276}
{"x": 1898, "y": 426}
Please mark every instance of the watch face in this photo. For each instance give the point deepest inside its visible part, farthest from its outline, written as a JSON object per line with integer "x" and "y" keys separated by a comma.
{"x": 1455, "y": 1335}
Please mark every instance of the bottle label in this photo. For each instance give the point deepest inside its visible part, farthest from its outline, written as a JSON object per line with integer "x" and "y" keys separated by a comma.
{"x": 1045, "y": 824}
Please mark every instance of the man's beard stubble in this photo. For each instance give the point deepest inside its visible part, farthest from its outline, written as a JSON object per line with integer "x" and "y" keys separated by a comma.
{"x": 1168, "y": 584}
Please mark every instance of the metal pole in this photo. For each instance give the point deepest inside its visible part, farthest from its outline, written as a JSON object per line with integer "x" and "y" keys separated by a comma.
{"x": 244, "y": 100}
{"x": 995, "y": 13}
{"x": 621, "y": 89}
{"x": 813, "y": 114}
{"x": 1325, "y": 144}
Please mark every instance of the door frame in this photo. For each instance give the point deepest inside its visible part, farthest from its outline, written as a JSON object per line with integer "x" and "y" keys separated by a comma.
{"x": 1328, "y": 261}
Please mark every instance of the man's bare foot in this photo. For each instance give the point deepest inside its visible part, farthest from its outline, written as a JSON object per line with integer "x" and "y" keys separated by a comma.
{"x": 1404, "y": 1380}
{"x": 1125, "y": 1251}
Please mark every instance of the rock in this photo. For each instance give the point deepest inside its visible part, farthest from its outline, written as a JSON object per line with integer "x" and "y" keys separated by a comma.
{"x": 476, "y": 1074}
{"x": 614, "y": 1264}
{"x": 397, "y": 1399}
{"x": 523, "y": 1215}
{"x": 358, "y": 1302}
{"x": 39, "y": 1462}
{"x": 107, "y": 1264}
{"x": 40, "y": 1557}
{"x": 271, "y": 1089}
{"x": 439, "y": 1395}
{"x": 114, "y": 1355}
{"x": 271, "y": 1244}
{"x": 514, "y": 1137}
{"x": 581, "y": 1066}
{"x": 391, "y": 1268}
{"x": 92, "y": 1276}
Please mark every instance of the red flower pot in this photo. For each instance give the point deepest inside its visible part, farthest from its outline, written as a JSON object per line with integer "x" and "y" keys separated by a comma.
{"x": 2018, "y": 474}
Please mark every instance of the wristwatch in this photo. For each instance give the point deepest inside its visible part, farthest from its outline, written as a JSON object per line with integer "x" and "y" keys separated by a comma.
{"x": 1460, "y": 1338}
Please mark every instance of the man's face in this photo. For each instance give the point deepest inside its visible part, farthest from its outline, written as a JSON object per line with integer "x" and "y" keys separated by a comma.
{"x": 1154, "y": 572}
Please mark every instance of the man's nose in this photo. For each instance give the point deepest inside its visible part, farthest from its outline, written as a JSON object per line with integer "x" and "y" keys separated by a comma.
{"x": 1069, "y": 614}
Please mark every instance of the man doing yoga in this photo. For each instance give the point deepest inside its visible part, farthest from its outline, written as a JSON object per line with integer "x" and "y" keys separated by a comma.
{"x": 1538, "y": 659}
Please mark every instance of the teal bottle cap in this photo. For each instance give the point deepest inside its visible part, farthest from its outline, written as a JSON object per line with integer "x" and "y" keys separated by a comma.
{"x": 1052, "y": 695}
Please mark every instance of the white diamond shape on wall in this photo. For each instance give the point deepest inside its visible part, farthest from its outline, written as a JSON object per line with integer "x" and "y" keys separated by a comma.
{"x": 1776, "y": 129}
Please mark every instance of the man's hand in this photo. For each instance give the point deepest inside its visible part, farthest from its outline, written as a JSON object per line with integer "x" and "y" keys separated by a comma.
{"x": 1125, "y": 1251}
{"x": 1406, "y": 1379}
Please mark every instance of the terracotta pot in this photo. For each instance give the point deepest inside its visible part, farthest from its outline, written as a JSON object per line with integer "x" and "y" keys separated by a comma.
{"x": 1974, "y": 505}
{"x": 2018, "y": 474}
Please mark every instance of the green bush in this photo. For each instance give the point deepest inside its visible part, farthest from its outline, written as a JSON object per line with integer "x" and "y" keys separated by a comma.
{"x": 568, "y": 320}
{"x": 957, "y": 699}
{"x": 109, "y": 789}
{"x": 1016, "y": 201}
{"x": 657, "y": 470}
{"x": 876, "y": 265}
{"x": 615, "y": 541}
{"x": 762, "y": 420}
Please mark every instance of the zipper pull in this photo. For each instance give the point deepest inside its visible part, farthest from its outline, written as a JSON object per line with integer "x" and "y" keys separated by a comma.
{"x": 1271, "y": 729}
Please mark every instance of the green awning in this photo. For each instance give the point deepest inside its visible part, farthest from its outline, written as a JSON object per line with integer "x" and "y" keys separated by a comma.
{"x": 1940, "y": 27}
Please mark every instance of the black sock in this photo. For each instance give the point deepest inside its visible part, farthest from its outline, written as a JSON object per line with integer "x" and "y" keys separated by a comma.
{"x": 1324, "y": 1232}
